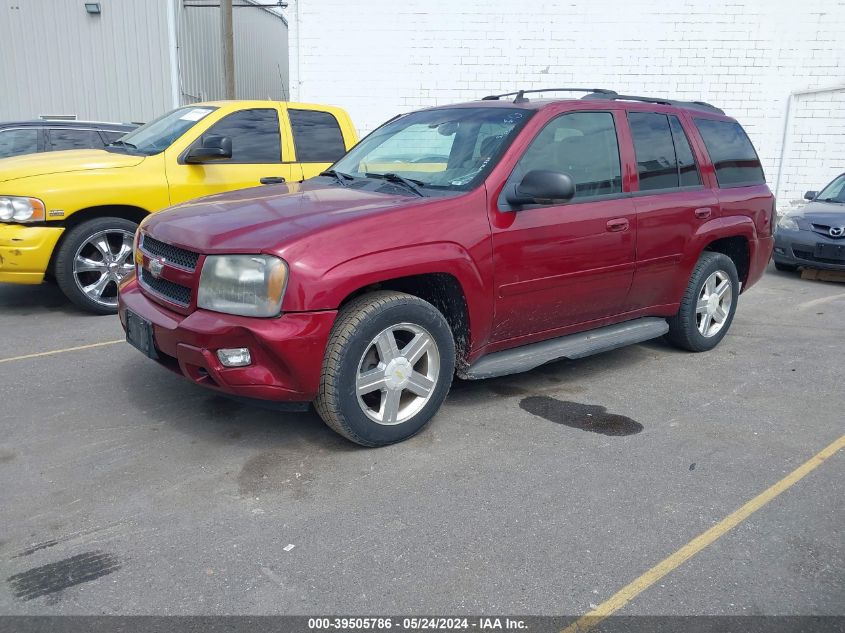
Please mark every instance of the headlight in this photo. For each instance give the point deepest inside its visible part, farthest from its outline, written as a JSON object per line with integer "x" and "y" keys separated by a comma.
{"x": 788, "y": 222}
{"x": 248, "y": 285}
{"x": 17, "y": 209}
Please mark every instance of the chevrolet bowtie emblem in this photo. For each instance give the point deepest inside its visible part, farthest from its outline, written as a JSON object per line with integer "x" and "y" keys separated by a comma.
{"x": 156, "y": 266}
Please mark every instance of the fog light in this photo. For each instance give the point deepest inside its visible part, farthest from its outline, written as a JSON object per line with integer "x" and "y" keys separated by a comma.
{"x": 236, "y": 357}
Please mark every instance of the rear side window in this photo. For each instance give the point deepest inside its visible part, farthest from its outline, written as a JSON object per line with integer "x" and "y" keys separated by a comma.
{"x": 254, "y": 133}
{"x": 732, "y": 153}
{"x": 316, "y": 136}
{"x": 74, "y": 139}
{"x": 581, "y": 144}
{"x": 18, "y": 142}
{"x": 664, "y": 157}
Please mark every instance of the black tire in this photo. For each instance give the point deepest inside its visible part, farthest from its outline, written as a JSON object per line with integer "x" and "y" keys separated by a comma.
{"x": 64, "y": 268}
{"x": 786, "y": 268}
{"x": 355, "y": 329}
{"x": 683, "y": 327}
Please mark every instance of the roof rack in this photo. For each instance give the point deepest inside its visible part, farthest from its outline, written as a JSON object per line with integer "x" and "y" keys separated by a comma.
{"x": 692, "y": 105}
{"x": 520, "y": 94}
{"x": 603, "y": 93}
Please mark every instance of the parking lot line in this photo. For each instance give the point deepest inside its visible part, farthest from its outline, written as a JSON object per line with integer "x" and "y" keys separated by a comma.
{"x": 668, "y": 564}
{"x": 61, "y": 351}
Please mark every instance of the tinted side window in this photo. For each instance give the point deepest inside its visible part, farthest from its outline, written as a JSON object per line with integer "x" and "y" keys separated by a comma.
{"x": 581, "y": 144}
{"x": 687, "y": 170}
{"x": 255, "y": 135}
{"x": 111, "y": 136}
{"x": 17, "y": 142}
{"x": 656, "y": 163}
{"x": 74, "y": 139}
{"x": 316, "y": 136}
{"x": 731, "y": 152}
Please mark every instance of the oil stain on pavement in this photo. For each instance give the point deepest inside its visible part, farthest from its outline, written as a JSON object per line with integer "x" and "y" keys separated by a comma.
{"x": 586, "y": 417}
{"x": 55, "y": 577}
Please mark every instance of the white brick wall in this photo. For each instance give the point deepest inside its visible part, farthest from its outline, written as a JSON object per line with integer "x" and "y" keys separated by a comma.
{"x": 380, "y": 57}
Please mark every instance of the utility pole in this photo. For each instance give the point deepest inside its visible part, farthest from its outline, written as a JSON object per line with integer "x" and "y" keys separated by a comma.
{"x": 228, "y": 37}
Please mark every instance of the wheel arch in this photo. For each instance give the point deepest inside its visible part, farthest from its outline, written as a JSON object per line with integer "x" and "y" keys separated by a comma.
{"x": 123, "y": 211}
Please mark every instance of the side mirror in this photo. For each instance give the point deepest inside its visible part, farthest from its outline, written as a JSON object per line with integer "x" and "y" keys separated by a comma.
{"x": 213, "y": 148}
{"x": 811, "y": 195}
{"x": 542, "y": 186}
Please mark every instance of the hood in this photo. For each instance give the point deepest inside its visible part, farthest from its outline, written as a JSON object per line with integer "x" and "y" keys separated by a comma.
{"x": 264, "y": 218}
{"x": 827, "y": 213}
{"x": 65, "y": 161}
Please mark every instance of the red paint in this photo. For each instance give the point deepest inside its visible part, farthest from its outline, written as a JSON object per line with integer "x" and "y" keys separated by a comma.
{"x": 526, "y": 276}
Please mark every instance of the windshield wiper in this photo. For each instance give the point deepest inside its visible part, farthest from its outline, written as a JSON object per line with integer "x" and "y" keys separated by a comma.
{"x": 834, "y": 200}
{"x": 339, "y": 176}
{"x": 409, "y": 183}
{"x": 124, "y": 143}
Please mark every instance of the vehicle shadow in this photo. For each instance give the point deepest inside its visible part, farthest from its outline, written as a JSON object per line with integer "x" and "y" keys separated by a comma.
{"x": 18, "y": 300}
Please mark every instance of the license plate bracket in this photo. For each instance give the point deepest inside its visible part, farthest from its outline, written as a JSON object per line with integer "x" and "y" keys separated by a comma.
{"x": 139, "y": 334}
{"x": 830, "y": 251}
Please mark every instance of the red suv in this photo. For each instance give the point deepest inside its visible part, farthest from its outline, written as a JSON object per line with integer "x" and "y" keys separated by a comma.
{"x": 482, "y": 239}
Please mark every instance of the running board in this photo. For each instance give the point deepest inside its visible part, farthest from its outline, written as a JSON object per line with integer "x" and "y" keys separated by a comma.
{"x": 603, "y": 339}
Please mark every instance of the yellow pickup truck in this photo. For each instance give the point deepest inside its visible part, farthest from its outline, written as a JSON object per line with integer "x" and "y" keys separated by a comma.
{"x": 71, "y": 215}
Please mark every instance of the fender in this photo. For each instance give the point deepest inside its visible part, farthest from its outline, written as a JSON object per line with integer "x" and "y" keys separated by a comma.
{"x": 328, "y": 291}
{"x": 717, "y": 228}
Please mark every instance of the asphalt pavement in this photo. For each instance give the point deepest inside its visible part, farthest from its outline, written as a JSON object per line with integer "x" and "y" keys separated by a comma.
{"x": 542, "y": 493}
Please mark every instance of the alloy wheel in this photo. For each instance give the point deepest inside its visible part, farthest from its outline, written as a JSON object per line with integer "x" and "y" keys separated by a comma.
{"x": 714, "y": 304}
{"x": 101, "y": 262}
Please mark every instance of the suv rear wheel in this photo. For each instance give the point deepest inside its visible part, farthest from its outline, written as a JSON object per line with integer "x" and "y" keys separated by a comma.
{"x": 92, "y": 260}
{"x": 388, "y": 367}
{"x": 708, "y": 306}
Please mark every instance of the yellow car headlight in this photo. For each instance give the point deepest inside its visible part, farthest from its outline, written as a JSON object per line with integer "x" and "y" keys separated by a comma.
{"x": 20, "y": 209}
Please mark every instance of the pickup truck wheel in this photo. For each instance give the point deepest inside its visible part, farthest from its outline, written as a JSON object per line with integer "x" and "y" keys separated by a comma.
{"x": 388, "y": 367}
{"x": 708, "y": 306}
{"x": 91, "y": 261}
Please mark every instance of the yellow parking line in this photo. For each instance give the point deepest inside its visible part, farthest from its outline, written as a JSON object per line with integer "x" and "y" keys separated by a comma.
{"x": 632, "y": 590}
{"x": 61, "y": 351}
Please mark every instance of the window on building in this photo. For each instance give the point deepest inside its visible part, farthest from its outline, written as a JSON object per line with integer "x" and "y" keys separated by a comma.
{"x": 254, "y": 133}
{"x": 20, "y": 141}
{"x": 316, "y": 136}
{"x": 581, "y": 144}
{"x": 731, "y": 152}
{"x": 67, "y": 138}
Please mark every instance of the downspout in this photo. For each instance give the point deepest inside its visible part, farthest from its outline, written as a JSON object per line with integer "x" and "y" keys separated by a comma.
{"x": 173, "y": 51}
{"x": 293, "y": 47}
{"x": 786, "y": 119}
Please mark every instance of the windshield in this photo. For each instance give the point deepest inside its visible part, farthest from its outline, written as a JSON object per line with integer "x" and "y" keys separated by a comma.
{"x": 834, "y": 192}
{"x": 450, "y": 149}
{"x": 157, "y": 135}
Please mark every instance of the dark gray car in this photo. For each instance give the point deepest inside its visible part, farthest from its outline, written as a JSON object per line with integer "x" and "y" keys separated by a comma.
{"x": 814, "y": 236}
{"x": 49, "y": 135}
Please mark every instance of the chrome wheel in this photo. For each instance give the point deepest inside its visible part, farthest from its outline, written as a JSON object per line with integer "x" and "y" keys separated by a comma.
{"x": 714, "y": 304}
{"x": 397, "y": 374}
{"x": 101, "y": 262}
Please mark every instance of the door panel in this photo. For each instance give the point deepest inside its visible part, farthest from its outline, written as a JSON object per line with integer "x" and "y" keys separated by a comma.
{"x": 256, "y": 154}
{"x": 564, "y": 264}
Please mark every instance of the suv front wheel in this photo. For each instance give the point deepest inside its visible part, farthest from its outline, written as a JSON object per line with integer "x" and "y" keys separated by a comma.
{"x": 388, "y": 367}
{"x": 708, "y": 305}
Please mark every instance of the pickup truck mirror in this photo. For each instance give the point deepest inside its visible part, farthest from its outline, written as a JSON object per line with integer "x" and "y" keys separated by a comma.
{"x": 811, "y": 195}
{"x": 542, "y": 186}
{"x": 213, "y": 148}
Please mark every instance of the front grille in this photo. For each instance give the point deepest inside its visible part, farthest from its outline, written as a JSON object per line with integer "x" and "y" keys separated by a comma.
{"x": 810, "y": 257}
{"x": 175, "y": 293}
{"x": 171, "y": 254}
{"x": 824, "y": 229}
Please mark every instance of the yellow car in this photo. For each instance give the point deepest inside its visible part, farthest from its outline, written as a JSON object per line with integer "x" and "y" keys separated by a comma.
{"x": 72, "y": 215}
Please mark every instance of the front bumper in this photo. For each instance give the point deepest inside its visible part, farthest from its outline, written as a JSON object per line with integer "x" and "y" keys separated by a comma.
{"x": 25, "y": 252}
{"x": 287, "y": 352}
{"x": 797, "y": 248}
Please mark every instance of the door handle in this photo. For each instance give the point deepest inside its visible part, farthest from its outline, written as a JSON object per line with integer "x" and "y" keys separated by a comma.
{"x": 619, "y": 224}
{"x": 272, "y": 180}
{"x": 703, "y": 213}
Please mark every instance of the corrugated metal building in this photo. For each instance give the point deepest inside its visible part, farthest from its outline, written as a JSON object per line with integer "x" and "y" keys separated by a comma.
{"x": 134, "y": 59}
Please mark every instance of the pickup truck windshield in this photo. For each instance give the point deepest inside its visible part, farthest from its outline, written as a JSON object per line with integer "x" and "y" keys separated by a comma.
{"x": 449, "y": 148}
{"x": 157, "y": 135}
